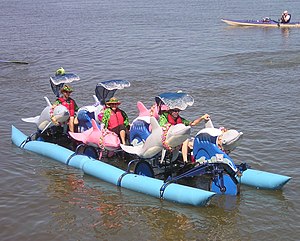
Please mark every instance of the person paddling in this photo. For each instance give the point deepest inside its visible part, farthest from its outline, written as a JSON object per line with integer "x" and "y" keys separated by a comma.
{"x": 172, "y": 117}
{"x": 285, "y": 17}
{"x": 115, "y": 119}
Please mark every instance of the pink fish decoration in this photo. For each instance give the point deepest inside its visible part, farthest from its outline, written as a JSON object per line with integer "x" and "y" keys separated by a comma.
{"x": 102, "y": 138}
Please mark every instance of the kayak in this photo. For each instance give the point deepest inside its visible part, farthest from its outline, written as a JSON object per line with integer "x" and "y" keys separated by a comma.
{"x": 266, "y": 22}
{"x": 96, "y": 168}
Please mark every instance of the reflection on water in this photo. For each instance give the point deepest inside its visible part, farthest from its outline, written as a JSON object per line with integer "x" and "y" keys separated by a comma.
{"x": 285, "y": 32}
{"x": 106, "y": 211}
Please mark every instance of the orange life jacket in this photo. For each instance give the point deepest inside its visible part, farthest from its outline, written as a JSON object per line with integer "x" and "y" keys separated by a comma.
{"x": 174, "y": 122}
{"x": 70, "y": 106}
{"x": 116, "y": 119}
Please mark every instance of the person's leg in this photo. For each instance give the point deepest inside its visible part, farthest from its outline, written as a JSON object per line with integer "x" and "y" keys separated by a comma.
{"x": 123, "y": 136}
{"x": 121, "y": 131}
{"x": 184, "y": 150}
{"x": 71, "y": 124}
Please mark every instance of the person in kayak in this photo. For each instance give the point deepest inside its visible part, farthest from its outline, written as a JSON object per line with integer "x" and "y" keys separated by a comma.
{"x": 68, "y": 102}
{"x": 285, "y": 17}
{"x": 172, "y": 117}
{"x": 115, "y": 119}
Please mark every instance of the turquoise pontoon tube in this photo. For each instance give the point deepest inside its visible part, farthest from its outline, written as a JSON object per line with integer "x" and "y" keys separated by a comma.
{"x": 154, "y": 187}
{"x": 263, "y": 180}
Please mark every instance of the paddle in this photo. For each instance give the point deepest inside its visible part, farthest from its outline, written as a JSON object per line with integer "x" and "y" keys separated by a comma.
{"x": 13, "y": 62}
{"x": 278, "y": 23}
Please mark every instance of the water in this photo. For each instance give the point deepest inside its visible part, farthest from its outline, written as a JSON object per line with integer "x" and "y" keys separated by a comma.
{"x": 245, "y": 78}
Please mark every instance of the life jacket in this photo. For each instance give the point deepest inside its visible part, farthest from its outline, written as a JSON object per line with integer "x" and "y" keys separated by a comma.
{"x": 174, "y": 122}
{"x": 70, "y": 106}
{"x": 116, "y": 119}
{"x": 283, "y": 20}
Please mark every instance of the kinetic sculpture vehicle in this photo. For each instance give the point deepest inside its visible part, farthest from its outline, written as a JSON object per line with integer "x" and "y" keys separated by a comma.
{"x": 156, "y": 169}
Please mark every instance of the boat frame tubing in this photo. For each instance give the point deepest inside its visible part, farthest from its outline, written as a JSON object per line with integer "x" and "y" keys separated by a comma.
{"x": 151, "y": 186}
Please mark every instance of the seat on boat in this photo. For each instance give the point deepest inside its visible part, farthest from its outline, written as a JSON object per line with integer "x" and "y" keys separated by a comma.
{"x": 85, "y": 120}
{"x": 205, "y": 146}
{"x": 207, "y": 151}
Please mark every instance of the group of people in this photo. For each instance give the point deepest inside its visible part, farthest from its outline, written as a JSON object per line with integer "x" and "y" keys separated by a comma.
{"x": 116, "y": 120}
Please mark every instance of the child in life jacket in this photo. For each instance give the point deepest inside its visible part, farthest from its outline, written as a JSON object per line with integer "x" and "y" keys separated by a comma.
{"x": 115, "y": 119}
{"x": 68, "y": 102}
{"x": 172, "y": 117}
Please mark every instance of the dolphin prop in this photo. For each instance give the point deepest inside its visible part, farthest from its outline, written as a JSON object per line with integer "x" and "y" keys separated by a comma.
{"x": 227, "y": 139}
{"x": 87, "y": 113}
{"x": 43, "y": 121}
{"x": 145, "y": 113}
{"x": 140, "y": 128}
{"x": 222, "y": 140}
{"x": 104, "y": 139}
{"x": 206, "y": 149}
{"x": 154, "y": 144}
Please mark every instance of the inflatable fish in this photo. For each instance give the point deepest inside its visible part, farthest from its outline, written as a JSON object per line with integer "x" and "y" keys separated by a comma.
{"x": 86, "y": 114}
{"x": 104, "y": 139}
{"x": 43, "y": 121}
{"x": 154, "y": 144}
{"x": 227, "y": 139}
{"x": 140, "y": 128}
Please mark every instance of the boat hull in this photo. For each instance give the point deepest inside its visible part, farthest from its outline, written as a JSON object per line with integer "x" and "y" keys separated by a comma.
{"x": 260, "y": 23}
{"x": 151, "y": 186}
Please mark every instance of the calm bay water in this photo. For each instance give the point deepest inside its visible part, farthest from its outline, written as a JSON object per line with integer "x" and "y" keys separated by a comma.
{"x": 245, "y": 78}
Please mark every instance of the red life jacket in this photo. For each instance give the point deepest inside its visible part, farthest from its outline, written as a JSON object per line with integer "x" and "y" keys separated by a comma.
{"x": 116, "y": 119}
{"x": 174, "y": 122}
{"x": 70, "y": 106}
